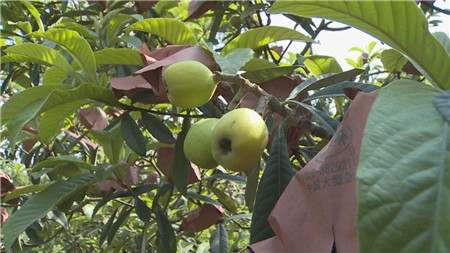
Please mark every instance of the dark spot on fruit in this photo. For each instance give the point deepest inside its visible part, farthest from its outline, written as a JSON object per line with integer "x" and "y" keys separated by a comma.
{"x": 232, "y": 123}
{"x": 225, "y": 145}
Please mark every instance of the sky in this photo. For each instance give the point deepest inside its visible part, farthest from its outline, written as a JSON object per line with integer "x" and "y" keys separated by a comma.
{"x": 338, "y": 43}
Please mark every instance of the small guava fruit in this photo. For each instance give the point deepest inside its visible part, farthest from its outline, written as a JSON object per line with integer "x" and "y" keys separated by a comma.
{"x": 197, "y": 145}
{"x": 239, "y": 139}
{"x": 189, "y": 84}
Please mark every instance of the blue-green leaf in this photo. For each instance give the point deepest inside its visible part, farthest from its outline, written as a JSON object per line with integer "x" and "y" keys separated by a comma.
{"x": 174, "y": 31}
{"x": 323, "y": 81}
{"x": 403, "y": 173}
{"x": 142, "y": 210}
{"x": 181, "y": 165}
{"x": 442, "y": 104}
{"x": 167, "y": 239}
{"x": 337, "y": 90}
{"x": 38, "y": 205}
{"x": 157, "y": 128}
{"x": 233, "y": 61}
{"x": 219, "y": 240}
{"x": 276, "y": 177}
{"x": 267, "y": 74}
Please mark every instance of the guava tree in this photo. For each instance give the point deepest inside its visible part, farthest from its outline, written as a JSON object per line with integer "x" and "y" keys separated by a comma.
{"x": 176, "y": 126}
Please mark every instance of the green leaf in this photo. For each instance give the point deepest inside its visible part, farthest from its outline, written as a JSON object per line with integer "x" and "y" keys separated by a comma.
{"x": 35, "y": 13}
{"x": 203, "y": 198}
{"x": 337, "y": 90}
{"x": 62, "y": 160}
{"x": 323, "y": 81}
{"x": 111, "y": 141}
{"x": 172, "y": 30}
{"x": 24, "y": 106}
{"x": 403, "y": 173}
{"x": 233, "y": 61}
{"x": 261, "y": 36}
{"x": 257, "y": 63}
{"x": 442, "y": 104}
{"x": 392, "y": 60}
{"x": 21, "y": 101}
{"x": 320, "y": 65}
{"x": 165, "y": 230}
{"x": 181, "y": 165}
{"x": 157, "y": 128}
{"x": 142, "y": 210}
{"x": 219, "y": 240}
{"x": 78, "y": 48}
{"x": 38, "y": 205}
{"x": 37, "y": 53}
{"x": 53, "y": 75}
{"x": 116, "y": 225}
{"x": 251, "y": 186}
{"x": 403, "y": 26}
{"x": 26, "y": 189}
{"x": 267, "y": 74}
{"x": 228, "y": 177}
{"x": 53, "y": 120}
{"x": 117, "y": 22}
{"x": 118, "y": 56}
{"x": 276, "y": 177}
{"x": 132, "y": 135}
{"x": 223, "y": 198}
{"x": 82, "y": 30}
{"x": 107, "y": 227}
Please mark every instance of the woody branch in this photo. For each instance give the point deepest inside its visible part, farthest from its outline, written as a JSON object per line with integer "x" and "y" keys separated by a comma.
{"x": 268, "y": 101}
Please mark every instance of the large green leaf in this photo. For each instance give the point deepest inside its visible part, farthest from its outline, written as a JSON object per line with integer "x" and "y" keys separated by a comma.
{"x": 401, "y": 24}
{"x": 37, "y": 53}
{"x": 403, "y": 173}
{"x": 276, "y": 177}
{"x": 261, "y": 36}
{"x": 117, "y": 22}
{"x": 78, "y": 48}
{"x": 118, "y": 56}
{"x": 174, "y": 31}
{"x": 38, "y": 205}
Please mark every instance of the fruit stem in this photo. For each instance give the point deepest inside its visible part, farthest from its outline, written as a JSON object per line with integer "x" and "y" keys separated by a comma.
{"x": 237, "y": 98}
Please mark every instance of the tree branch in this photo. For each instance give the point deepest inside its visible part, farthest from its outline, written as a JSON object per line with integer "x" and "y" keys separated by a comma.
{"x": 273, "y": 103}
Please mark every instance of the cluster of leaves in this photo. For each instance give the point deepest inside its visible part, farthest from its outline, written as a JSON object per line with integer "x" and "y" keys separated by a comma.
{"x": 94, "y": 149}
